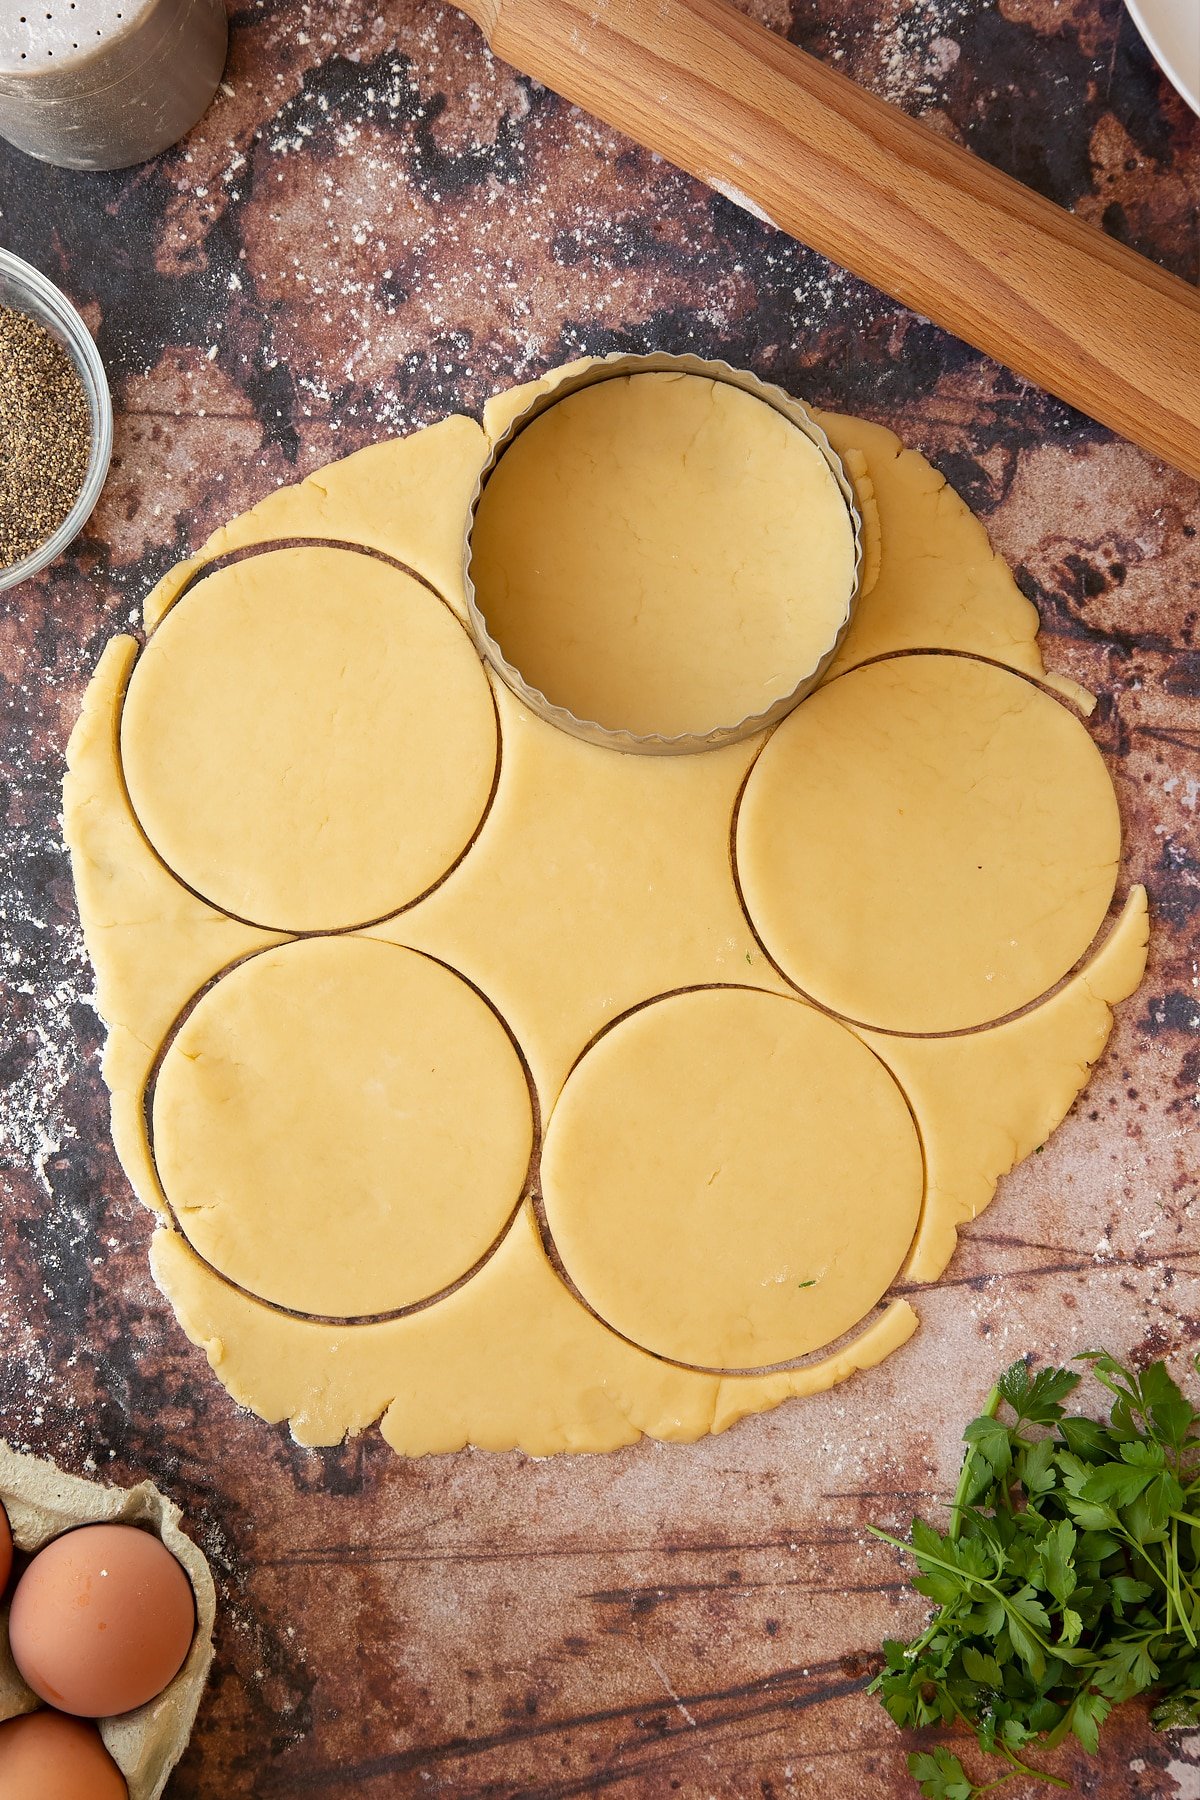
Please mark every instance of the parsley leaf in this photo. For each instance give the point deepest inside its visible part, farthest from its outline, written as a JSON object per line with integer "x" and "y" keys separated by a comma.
{"x": 1058, "y": 1548}
{"x": 1038, "y": 1400}
{"x": 1179, "y": 1713}
{"x": 940, "y": 1776}
{"x": 1087, "y": 1716}
{"x": 993, "y": 1443}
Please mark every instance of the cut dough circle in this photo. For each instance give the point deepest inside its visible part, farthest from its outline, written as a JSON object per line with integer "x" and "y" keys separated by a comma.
{"x": 663, "y": 554}
{"x": 731, "y": 1178}
{"x": 309, "y": 739}
{"x": 928, "y": 843}
{"x": 342, "y": 1127}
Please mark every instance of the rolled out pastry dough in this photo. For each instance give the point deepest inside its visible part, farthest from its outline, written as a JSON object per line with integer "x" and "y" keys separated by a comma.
{"x": 528, "y": 892}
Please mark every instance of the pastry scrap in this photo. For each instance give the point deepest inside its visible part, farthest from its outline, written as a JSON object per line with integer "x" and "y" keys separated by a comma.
{"x": 591, "y": 1133}
{"x": 598, "y": 880}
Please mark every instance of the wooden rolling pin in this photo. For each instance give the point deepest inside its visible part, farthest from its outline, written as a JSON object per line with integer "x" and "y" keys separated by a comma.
{"x": 770, "y": 127}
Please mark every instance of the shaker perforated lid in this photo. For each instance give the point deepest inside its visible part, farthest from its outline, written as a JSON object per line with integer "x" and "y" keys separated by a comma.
{"x": 101, "y": 84}
{"x": 42, "y": 34}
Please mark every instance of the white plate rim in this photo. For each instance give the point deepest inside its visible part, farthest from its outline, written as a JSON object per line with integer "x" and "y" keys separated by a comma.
{"x": 1144, "y": 13}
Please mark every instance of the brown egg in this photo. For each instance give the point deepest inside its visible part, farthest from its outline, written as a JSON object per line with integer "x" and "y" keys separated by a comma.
{"x": 102, "y": 1619}
{"x": 6, "y": 1550}
{"x": 45, "y": 1756}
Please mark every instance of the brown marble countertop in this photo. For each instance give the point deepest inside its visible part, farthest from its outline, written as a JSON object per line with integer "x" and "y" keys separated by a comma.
{"x": 374, "y": 225}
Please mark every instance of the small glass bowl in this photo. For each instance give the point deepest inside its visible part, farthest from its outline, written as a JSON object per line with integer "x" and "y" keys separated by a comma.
{"x": 25, "y": 289}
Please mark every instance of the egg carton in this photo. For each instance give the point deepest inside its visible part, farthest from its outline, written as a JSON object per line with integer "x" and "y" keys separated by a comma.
{"x": 42, "y": 1502}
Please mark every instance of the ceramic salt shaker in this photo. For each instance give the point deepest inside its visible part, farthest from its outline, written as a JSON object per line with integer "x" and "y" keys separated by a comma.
{"x": 103, "y": 84}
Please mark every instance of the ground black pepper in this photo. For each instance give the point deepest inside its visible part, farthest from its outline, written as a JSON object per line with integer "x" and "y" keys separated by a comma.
{"x": 45, "y": 435}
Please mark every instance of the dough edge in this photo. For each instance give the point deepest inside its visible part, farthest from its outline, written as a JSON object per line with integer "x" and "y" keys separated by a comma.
{"x": 1031, "y": 1069}
{"x": 509, "y": 1362}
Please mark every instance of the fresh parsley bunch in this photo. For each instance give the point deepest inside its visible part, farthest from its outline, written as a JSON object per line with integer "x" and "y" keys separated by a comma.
{"x": 1069, "y": 1579}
